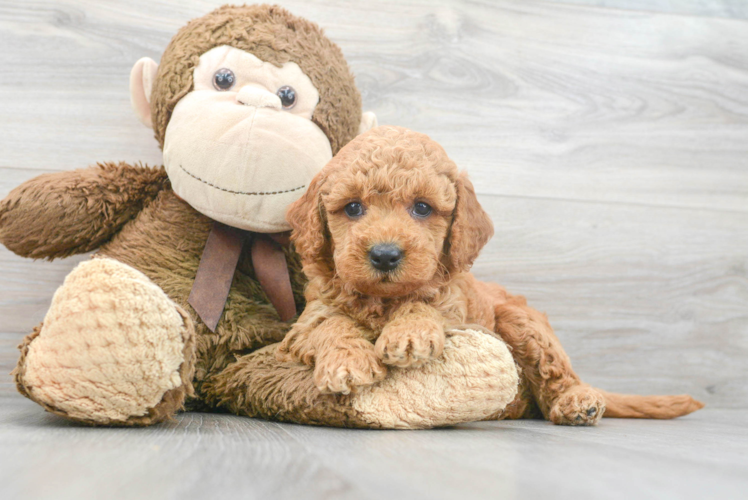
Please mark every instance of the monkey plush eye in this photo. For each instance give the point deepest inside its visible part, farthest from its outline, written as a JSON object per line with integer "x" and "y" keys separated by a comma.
{"x": 421, "y": 209}
{"x": 354, "y": 209}
{"x": 224, "y": 79}
{"x": 287, "y": 96}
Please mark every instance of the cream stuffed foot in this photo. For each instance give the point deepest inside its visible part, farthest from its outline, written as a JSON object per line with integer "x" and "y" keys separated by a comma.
{"x": 113, "y": 349}
{"x": 474, "y": 379}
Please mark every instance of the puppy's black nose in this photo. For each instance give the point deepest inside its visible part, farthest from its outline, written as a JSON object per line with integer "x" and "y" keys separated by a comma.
{"x": 385, "y": 256}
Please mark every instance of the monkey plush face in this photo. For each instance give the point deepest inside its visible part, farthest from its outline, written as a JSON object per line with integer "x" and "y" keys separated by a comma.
{"x": 241, "y": 146}
{"x": 248, "y": 104}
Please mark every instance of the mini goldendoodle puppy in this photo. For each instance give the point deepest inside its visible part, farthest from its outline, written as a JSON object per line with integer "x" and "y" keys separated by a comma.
{"x": 387, "y": 232}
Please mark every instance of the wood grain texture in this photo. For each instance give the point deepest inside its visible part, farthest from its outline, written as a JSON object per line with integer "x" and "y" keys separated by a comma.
{"x": 733, "y": 9}
{"x": 609, "y": 146}
{"x": 223, "y": 456}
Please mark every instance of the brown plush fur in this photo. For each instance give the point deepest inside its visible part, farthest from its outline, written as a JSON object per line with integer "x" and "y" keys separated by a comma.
{"x": 359, "y": 319}
{"x": 86, "y": 206}
{"x": 276, "y": 36}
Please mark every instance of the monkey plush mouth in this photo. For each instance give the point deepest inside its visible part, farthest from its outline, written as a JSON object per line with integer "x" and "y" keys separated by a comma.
{"x": 248, "y": 193}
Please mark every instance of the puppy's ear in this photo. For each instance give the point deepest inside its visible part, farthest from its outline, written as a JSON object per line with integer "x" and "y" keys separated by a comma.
{"x": 471, "y": 228}
{"x": 307, "y": 221}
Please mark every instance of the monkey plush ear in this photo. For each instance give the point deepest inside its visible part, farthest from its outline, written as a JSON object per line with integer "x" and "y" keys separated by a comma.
{"x": 368, "y": 121}
{"x": 142, "y": 76}
{"x": 471, "y": 227}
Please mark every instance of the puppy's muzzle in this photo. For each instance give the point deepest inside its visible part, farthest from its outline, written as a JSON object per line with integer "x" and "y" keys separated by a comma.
{"x": 385, "y": 257}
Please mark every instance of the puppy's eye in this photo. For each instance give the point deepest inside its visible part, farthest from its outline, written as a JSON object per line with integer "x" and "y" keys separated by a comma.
{"x": 421, "y": 209}
{"x": 287, "y": 96}
{"x": 354, "y": 209}
{"x": 223, "y": 79}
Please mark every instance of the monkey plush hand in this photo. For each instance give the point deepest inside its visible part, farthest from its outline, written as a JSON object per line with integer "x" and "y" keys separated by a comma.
{"x": 248, "y": 103}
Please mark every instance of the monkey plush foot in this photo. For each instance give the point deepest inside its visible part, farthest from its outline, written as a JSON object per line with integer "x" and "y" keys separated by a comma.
{"x": 474, "y": 379}
{"x": 113, "y": 349}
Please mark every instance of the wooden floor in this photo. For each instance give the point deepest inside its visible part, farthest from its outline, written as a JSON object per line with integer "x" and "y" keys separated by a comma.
{"x": 208, "y": 456}
{"x": 608, "y": 139}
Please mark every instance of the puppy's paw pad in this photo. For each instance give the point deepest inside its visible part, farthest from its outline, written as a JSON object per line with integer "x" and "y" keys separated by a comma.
{"x": 411, "y": 343}
{"x": 580, "y": 405}
{"x": 343, "y": 371}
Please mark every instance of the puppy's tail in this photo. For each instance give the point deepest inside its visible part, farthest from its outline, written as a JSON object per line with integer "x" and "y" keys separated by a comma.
{"x": 632, "y": 406}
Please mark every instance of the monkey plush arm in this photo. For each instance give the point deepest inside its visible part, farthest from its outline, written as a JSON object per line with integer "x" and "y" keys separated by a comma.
{"x": 61, "y": 214}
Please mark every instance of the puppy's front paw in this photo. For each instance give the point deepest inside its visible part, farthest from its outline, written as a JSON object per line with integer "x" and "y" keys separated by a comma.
{"x": 296, "y": 346}
{"x": 342, "y": 370}
{"x": 411, "y": 342}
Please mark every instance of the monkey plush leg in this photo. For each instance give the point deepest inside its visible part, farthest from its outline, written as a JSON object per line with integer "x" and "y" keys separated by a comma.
{"x": 560, "y": 395}
{"x": 113, "y": 349}
{"x": 475, "y": 378}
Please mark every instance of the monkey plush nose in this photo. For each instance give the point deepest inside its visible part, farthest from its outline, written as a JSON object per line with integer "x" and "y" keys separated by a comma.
{"x": 385, "y": 257}
{"x": 258, "y": 98}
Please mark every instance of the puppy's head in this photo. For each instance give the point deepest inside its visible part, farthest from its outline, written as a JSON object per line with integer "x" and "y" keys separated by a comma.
{"x": 389, "y": 215}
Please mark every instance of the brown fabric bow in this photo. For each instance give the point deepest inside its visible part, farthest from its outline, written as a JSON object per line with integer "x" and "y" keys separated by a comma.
{"x": 215, "y": 273}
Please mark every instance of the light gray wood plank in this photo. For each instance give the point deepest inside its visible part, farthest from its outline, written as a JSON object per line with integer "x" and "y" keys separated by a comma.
{"x": 734, "y": 9}
{"x": 197, "y": 456}
{"x": 502, "y": 460}
{"x": 222, "y": 456}
{"x": 8, "y": 359}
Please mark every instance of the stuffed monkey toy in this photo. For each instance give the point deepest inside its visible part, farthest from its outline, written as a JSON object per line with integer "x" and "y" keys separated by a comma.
{"x": 193, "y": 281}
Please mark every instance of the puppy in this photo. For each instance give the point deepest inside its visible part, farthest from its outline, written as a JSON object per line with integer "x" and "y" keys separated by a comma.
{"x": 387, "y": 232}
